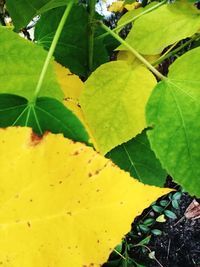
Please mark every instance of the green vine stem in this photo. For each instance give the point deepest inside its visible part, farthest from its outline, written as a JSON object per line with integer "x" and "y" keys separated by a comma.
{"x": 132, "y": 50}
{"x": 133, "y": 19}
{"x": 91, "y": 34}
{"x": 51, "y": 50}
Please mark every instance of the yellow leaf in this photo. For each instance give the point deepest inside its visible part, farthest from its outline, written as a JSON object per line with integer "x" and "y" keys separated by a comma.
{"x": 161, "y": 218}
{"x": 72, "y": 87}
{"x": 132, "y": 6}
{"x": 117, "y": 6}
{"x": 132, "y": 60}
{"x": 62, "y": 204}
{"x": 114, "y": 100}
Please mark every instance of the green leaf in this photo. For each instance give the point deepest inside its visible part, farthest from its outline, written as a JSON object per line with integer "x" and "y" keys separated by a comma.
{"x": 149, "y": 221}
{"x": 162, "y": 27}
{"x": 21, "y": 65}
{"x": 173, "y": 111}
{"x": 177, "y": 196}
{"x": 164, "y": 203}
{"x": 71, "y": 50}
{"x": 144, "y": 228}
{"x": 133, "y": 13}
{"x": 23, "y": 11}
{"x": 113, "y": 102}
{"x": 170, "y": 214}
{"x": 46, "y": 114}
{"x": 175, "y": 204}
{"x": 136, "y": 157}
{"x": 156, "y": 232}
{"x": 157, "y": 208}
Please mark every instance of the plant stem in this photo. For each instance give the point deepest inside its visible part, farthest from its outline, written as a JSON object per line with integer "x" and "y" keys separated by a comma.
{"x": 91, "y": 34}
{"x": 132, "y": 50}
{"x": 133, "y": 19}
{"x": 165, "y": 56}
{"x": 51, "y": 50}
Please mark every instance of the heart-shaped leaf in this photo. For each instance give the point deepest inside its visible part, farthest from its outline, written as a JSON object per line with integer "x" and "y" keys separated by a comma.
{"x": 60, "y": 202}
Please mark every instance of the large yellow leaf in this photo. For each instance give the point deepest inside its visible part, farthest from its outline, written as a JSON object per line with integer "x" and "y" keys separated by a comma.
{"x": 113, "y": 102}
{"x": 61, "y": 203}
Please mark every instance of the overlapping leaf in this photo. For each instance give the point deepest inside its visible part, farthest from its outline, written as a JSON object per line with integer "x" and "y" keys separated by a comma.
{"x": 164, "y": 26}
{"x": 21, "y": 65}
{"x": 173, "y": 111}
{"x": 60, "y": 202}
{"x": 46, "y": 114}
{"x": 139, "y": 160}
{"x": 113, "y": 102}
{"x": 23, "y": 11}
{"x": 72, "y": 48}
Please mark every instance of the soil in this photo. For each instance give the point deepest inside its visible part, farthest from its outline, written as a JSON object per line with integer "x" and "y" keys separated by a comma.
{"x": 179, "y": 243}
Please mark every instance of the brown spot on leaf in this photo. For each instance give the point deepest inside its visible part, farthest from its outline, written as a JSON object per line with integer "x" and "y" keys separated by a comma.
{"x": 69, "y": 213}
{"x": 89, "y": 174}
{"x": 36, "y": 139}
{"x": 28, "y": 223}
{"x": 60, "y": 182}
{"x": 76, "y": 153}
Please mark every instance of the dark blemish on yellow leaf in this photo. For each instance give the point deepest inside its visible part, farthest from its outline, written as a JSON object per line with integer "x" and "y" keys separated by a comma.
{"x": 79, "y": 201}
{"x": 70, "y": 74}
{"x": 98, "y": 241}
{"x": 97, "y": 172}
{"x": 69, "y": 213}
{"x": 90, "y": 160}
{"x": 51, "y": 185}
{"x": 60, "y": 182}
{"x": 121, "y": 203}
{"x": 1, "y": 262}
{"x": 89, "y": 174}
{"x": 31, "y": 200}
{"x": 76, "y": 153}
{"x": 28, "y": 223}
{"x": 35, "y": 139}
{"x": 97, "y": 190}
{"x": 17, "y": 196}
{"x": 68, "y": 247}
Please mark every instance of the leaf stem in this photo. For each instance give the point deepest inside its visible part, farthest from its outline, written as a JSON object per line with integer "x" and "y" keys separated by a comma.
{"x": 167, "y": 55}
{"x": 91, "y": 34}
{"x": 132, "y": 50}
{"x": 133, "y": 19}
{"x": 51, "y": 50}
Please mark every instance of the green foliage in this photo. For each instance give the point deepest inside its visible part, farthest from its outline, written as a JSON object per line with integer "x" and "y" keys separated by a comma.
{"x": 173, "y": 112}
{"x": 139, "y": 160}
{"x": 46, "y": 114}
{"x": 164, "y": 26}
{"x": 146, "y": 123}
{"x": 71, "y": 50}
{"x": 23, "y": 11}
{"x": 21, "y": 64}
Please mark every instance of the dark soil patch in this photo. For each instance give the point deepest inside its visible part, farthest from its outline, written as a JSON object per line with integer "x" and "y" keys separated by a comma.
{"x": 179, "y": 244}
